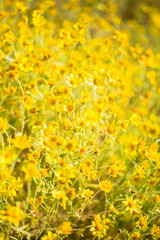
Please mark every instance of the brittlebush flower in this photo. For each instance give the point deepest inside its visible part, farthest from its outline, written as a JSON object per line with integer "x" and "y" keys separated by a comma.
{"x": 65, "y": 228}
{"x": 70, "y": 145}
{"x": 14, "y": 186}
{"x": 49, "y": 236}
{"x": 21, "y": 142}
{"x": 155, "y": 231}
{"x": 12, "y": 214}
{"x": 105, "y": 186}
{"x": 142, "y": 222}
{"x": 30, "y": 171}
{"x": 113, "y": 171}
{"x": 136, "y": 235}
{"x": 87, "y": 193}
{"x": 3, "y": 125}
{"x": 131, "y": 205}
{"x": 100, "y": 226}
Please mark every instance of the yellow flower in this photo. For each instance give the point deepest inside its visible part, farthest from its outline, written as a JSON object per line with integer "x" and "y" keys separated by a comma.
{"x": 21, "y": 142}
{"x": 12, "y": 214}
{"x": 86, "y": 165}
{"x": 155, "y": 231}
{"x": 60, "y": 195}
{"x": 136, "y": 235}
{"x": 3, "y": 125}
{"x": 70, "y": 145}
{"x": 91, "y": 175}
{"x": 113, "y": 171}
{"x": 141, "y": 171}
{"x": 131, "y": 205}
{"x": 87, "y": 193}
{"x": 111, "y": 129}
{"x": 70, "y": 107}
{"x": 14, "y": 186}
{"x": 100, "y": 226}
{"x": 49, "y": 236}
{"x": 65, "y": 228}
{"x": 30, "y": 171}
{"x": 8, "y": 155}
{"x": 37, "y": 18}
{"x": 11, "y": 91}
{"x": 71, "y": 192}
{"x": 142, "y": 222}
{"x": 105, "y": 186}
{"x": 44, "y": 172}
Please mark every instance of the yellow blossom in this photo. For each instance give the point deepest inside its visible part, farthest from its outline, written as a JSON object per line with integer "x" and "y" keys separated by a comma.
{"x": 12, "y": 214}
{"x": 21, "y": 142}
{"x": 49, "y": 236}
{"x": 131, "y": 205}
{"x": 65, "y": 228}
{"x": 105, "y": 186}
{"x": 3, "y": 125}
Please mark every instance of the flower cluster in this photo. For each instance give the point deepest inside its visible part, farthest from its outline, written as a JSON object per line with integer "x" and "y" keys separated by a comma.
{"x": 79, "y": 119}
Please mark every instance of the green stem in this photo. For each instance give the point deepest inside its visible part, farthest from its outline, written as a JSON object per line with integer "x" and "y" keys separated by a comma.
{"x": 20, "y": 87}
{"x": 8, "y": 139}
{"x": 2, "y": 141}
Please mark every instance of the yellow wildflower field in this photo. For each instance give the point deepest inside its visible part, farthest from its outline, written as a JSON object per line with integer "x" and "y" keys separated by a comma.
{"x": 79, "y": 119}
